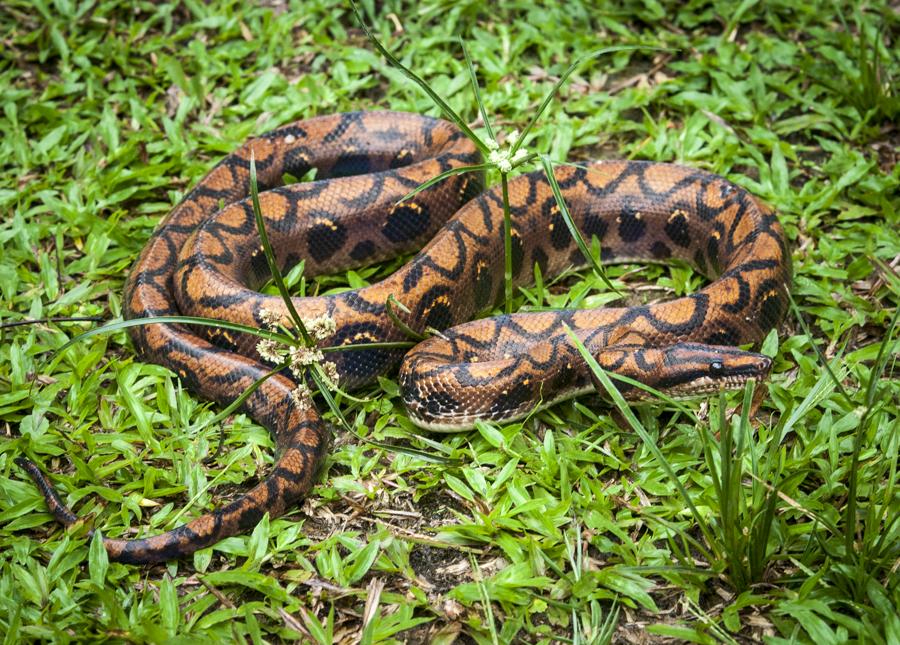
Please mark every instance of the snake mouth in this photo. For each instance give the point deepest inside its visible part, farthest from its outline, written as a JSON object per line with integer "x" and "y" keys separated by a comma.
{"x": 706, "y": 385}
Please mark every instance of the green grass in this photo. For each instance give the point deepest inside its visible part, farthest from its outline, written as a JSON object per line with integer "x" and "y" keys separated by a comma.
{"x": 688, "y": 523}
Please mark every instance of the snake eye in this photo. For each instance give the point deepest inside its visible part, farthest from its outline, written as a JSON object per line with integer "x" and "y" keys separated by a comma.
{"x": 716, "y": 368}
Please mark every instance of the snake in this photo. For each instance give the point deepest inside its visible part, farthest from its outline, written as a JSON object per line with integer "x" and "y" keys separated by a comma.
{"x": 361, "y": 207}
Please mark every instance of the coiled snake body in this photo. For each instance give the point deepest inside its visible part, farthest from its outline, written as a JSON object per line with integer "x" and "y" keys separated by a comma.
{"x": 204, "y": 259}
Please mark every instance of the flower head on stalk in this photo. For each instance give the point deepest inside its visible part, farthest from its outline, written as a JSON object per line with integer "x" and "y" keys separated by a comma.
{"x": 505, "y": 159}
{"x": 299, "y": 356}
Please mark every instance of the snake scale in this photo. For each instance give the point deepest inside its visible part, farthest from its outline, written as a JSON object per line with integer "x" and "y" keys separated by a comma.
{"x": 205, "y": 259}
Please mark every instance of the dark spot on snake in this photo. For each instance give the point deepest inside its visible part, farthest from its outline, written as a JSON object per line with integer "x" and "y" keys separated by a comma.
{"x": 435, "y": 403}
{"x": 406, "y": 222}
{"x": 296, "y": 162}
{"x": 402, "y": 158}
{"x": 772, "y": 307}
{"x": 436, "y": 311}
{"x": 518, "y": 253}
{"x": 660, "y": 251}
{"x": 259, "y": 267}
{"x": 411, "y": 280}
{"x": 291, "y": 261}
{"x": 631, "y": 226}
{"x": 363, "y": 250}
{"x": 439, "y": 316}
{"x": 360, "y": 366}
{"x": 712, "y": 252}
{"x": 677, "y": 230}
{"x": 325, "y": 239}
{"x": 347, "y": 165}
{"x": 474, "y": 186}
{"x": 560, "y": 237}
{"x": 539, "y": 258}
{"x": 484, "y": 285}
{"x": 250, "y": 517}
{"x": 723, "y": 335}
{"x": 564, "y": 375}
{"x": 593, "y": 225}
{"x": 513, "y": 398}
{"x": 771, "y": 311}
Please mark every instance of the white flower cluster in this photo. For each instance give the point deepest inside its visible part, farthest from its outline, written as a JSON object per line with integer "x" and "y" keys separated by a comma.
{"x": 302, "y": 396}
{"x": 505, "y": 159}
{"x": 299, "y": 357}
{"x": 270, "y": 350}
{"x": 331, "y": 373}
{"x": 322, "y": 327}
{"x": 269, "y": 319}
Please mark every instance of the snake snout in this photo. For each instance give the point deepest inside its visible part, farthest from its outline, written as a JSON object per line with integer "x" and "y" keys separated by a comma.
{"x": 692, "y": 369}
{"x": 750, "y": 365}
{"x": 683, "y": 370}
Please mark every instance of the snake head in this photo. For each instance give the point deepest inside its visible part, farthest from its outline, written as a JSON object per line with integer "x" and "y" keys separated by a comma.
{"x": 682, "y": 370}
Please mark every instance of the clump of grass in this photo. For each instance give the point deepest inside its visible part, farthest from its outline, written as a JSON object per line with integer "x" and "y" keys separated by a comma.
{"x": 861, "y": 75}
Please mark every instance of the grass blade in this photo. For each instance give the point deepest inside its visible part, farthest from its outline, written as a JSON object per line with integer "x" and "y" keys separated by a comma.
{"x": 507, "y": 245}
{"x": 270, "y": 256}
{"x": 476, "y": 90}
{"x": 441, "y": 177}
{"x": 173, "y": 320}
{"x": 408, "y": 331}
{"x": 234, "y": 405}
{"x": 398, "y": 344}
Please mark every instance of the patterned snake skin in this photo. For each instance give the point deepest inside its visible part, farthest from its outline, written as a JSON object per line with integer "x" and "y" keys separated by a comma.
{"x": 205, "y": 260}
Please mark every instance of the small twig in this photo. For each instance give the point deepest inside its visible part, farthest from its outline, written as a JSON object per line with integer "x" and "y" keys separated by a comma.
{"x": 292, "y": 623}
{"x": 222, "y": 598}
